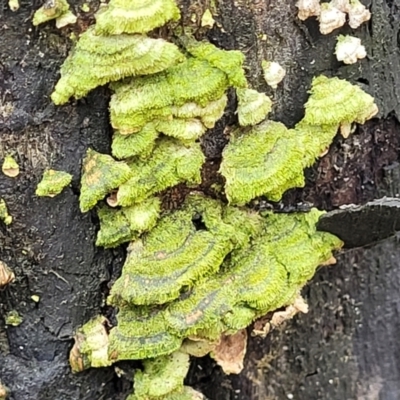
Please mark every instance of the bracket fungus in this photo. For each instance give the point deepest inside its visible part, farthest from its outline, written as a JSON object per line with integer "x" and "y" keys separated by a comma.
{"x": 270, "y": 159}
{"x": 54, "y": 9}
{"x": 53, "y": 183}
{"x": 206, "y": 270}
{"x": 161, "y": 97}
{"x": 127, "y": 223}
{"x": 10, "y": 167}
{"x": 332, "y": 15}
{"x": 135, "y": 16}
{"x": 4, "y": 215}
{"x": 169, "y": 291}
{"x": 349, "y": 49}
{"x": 253, "y": 106}
{"x": 169, "y": 164}
{"x": 114, "y": 58}
{"x": 330, "y": 18}
{"x": 91, "y": 346}
{"x": 101, "y": 174}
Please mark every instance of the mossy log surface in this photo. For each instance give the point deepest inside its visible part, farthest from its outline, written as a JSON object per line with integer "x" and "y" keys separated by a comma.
{"x": 346, "y": 347}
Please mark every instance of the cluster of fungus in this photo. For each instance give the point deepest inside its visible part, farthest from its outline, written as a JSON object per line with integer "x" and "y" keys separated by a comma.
{"x": 208, "y": 269}
{"x": 331, "y": 16}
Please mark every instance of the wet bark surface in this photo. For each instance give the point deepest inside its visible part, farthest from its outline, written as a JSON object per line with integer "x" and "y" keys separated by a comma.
{"x": 344, "y": 348}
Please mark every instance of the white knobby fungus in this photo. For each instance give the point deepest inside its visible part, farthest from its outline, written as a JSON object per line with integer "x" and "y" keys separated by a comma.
{"x": 308, "y": 8}
{"x": 341, "y": 5}
{"x": 349, "y": 49}
{"x": 358, "y": 14}
{"x": 273, "y": 73}
{"x": 330, "y": 18}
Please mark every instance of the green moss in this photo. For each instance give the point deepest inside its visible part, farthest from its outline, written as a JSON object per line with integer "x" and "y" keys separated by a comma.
{"x": 53, "y": 182}
{"x": 127, "y": 16}
{"x": 97, "y": 60}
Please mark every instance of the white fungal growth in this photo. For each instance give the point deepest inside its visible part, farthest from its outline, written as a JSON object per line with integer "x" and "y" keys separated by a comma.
{"x": 273, "y": 73}
{"x": 341, "y": 5}
{"x": 358, "y": 14}
{"x": 349, "y": 49}
{"x": 330, "y": 18}
{"x": 308, "y": 8}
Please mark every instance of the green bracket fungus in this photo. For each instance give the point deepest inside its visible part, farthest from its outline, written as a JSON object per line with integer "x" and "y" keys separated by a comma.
{"x": 206, "y": 269}
{"x": 170, "y": 163}
{"x": 54, "y": 9}
{"x": 228, "y": 61}
{"x": 53, "y": 183}
{"x": 253, "y": 106}
{"x": 184, "y": 255}
{"x": 101, "y": 174}
{"x": 186, "y": 393}
{"x": 126, "y": 224}
{"x": 141, "y": 333}
{"x": 10, "y": 167}
{"x": 267, "y": 160}
{"x": 13, "y": 318}
{"x": 91, "y": 346}
{"x": 156, "y": 97}
{"x": 4, "y": 215}
{"x": 114, "y": 58}
{"x": 135, "y": 16}
{"x": 162, "y": 376}
{"x": 334, "y": 101}
{"x": 270, "y": 159}
{"x": 139, "y": 144}
{"x": 259, "y": 276}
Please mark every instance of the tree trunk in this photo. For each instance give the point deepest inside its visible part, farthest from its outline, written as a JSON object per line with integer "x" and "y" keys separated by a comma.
{"x": 344, "y": 348}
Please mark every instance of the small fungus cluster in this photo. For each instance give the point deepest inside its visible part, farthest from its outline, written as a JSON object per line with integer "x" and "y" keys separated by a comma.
{"x": 206, "y": 270}
{"x": 331, "y": 16}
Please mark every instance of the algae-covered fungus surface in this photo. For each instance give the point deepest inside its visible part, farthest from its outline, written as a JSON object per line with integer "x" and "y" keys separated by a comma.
{"x": 202, "y": 272}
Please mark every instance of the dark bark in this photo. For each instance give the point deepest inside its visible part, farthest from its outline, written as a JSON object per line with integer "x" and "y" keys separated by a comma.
{"x": 345, "y": 348}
